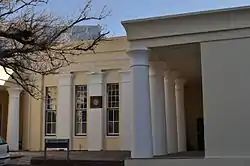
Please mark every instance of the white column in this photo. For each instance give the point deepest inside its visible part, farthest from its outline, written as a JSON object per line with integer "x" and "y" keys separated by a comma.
{"x": 95, "y": 118}
{"x": 158, "y": 116}
{"x": 170, "y": 105}
{"x": 142, "y": 133}
{"x": 126, "y": 113}
{"x": 13, "y": 118}
{"x": 64, "y": 122}
{"x": 180, "y": 112}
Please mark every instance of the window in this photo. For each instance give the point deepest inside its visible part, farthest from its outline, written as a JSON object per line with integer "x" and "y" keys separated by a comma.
{"x": 50, "y": 110}
{"x": 113, "y": 102}
{"x": 2, "y": 141}
{"x": 81, "y": 94}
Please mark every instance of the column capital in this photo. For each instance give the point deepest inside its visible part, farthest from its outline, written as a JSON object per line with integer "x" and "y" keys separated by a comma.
{"x": 65, "y": 74}
{"x": 125, "y": 76}
{"x": 95, "y": 73}
{"x": 156, "y": 67}
{"x": 14, "y": 92}
{"x": 136, "y": 51}
{"x": 65, "y": 79}
{"x": 139, "y": 56}
{"x": 179, "y": 83}
{"x": 96, "y": 77}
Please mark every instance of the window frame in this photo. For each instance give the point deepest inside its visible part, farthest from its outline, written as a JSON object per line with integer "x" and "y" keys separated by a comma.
{"x": 112, "y": 109}
{"x": 83, "y": 110}
{"x": 46, "y": 133}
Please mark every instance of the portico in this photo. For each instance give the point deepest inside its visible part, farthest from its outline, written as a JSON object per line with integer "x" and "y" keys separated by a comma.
{"x": 160, "y": 128}
{"x": 205, "y": 45}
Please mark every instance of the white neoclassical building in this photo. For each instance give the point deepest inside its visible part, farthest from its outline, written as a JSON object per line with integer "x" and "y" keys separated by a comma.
{"x": 175, "y": 84}
{"x": 209, "y": 50}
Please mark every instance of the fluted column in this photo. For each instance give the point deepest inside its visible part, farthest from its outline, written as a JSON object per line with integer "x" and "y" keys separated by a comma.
{"x": 170, "y": 106}
{"x": 180, "y": 112}
{"x": 142, "y": 132}
{"x": 13, "y": 118}
{"x": 158, "y": 116}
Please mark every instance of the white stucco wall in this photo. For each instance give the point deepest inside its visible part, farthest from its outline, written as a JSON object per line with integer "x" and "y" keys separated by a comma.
{"x": 226, "y": 90}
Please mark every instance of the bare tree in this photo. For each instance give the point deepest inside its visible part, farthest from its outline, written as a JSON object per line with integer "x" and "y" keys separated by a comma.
{"x": 32, "y": 43}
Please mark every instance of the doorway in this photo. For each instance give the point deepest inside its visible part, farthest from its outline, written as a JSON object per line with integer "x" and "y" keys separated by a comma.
{"x": 200, "y": 134}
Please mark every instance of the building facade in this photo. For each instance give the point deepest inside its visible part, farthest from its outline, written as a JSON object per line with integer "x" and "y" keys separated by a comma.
{"x": 175, "y": 83}
{"x": 69, "y": 112}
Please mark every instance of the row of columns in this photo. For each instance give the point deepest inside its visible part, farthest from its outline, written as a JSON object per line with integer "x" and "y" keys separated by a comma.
{"x": 96, "y": 116}
{"x": 158, "y": 108}
{"x": 64, "y": 127}
{"x": 153, "y": 100}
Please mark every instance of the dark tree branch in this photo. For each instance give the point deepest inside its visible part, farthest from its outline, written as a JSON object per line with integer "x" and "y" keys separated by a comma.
{"x": 32, "y": 44}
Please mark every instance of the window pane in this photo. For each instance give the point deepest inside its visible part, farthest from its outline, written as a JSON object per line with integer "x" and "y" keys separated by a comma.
{"x": 85, "y": 88}
{"x": 110, "y": 115}
{"x": 48, "y": 101}
{"x": 79, "y": 116}
{"x": 84, "y": 116}
{"x": 46, "y": 117}
{"x": 116, "y": 93}
{"x": 84, "y": 128}
{"x": 85, "y": 105}
{"x": 110, "y": 127}
{"x": 113, "y": 98}
{"x": 48, "y": 128}
{"x": 77, "y": 88}
{"x": 109, "y": 104}
{"x": 115, "y": 104}
{"x": 53, "y": 116}
{"x": 53, "y": 128}
{"x": 48, "y": 107}
{"x": 78, "y": 128}
{"x": 116, "y": 127}
{"x": 116, "y": 115}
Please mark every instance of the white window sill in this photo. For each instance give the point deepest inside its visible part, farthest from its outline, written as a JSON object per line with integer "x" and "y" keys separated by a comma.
{"x": 112, "y": 136}
{"x": 50, "y": 136}
{"x": 80, "y": 136}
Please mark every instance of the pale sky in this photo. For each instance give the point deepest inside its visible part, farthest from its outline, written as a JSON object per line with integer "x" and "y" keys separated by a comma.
{"x": 131, "y": 9}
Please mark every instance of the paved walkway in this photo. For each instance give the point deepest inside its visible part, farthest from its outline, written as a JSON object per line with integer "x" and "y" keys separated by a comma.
{"x": 24, "y": 158}
{"x": 89, "y": 155}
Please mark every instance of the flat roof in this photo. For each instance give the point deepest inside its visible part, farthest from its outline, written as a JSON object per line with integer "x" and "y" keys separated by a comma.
{"x": 187, "y": 14}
